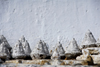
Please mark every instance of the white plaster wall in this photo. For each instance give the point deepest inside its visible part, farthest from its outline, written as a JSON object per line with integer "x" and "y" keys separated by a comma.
{"x": 49, "y": 20}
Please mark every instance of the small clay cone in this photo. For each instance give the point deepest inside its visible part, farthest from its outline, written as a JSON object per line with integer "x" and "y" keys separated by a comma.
{"x": 73, "y": 50}
{"x": 88, "y": 41}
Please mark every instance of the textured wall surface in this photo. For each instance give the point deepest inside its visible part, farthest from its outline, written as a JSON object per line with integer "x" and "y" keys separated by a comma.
{"x": 49, "y": 20}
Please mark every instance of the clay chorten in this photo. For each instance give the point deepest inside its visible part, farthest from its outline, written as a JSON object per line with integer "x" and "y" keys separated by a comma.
{"x": 60, "y": 50}
{"x": 48, "y": 55}
{"x": 88, "y": 41}
{"x": 45, "y": 48}
{"x": 3, "y": 39}
{"x": 26, "y": 46}
{"x": 38, "y": 52}
{"x": 73, "y": 50}
{"x": 27, "y": 49}
{"x": 4, "y": 51}
{"x": 18, "y": 51}
{"x": 55, "y": 55}
{"x": 22, "y": 40}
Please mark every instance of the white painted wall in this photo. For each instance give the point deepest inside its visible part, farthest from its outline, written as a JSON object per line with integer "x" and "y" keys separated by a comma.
{"x": 49, "y": 20}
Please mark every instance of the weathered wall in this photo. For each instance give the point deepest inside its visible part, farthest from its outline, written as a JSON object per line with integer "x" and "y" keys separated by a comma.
{"x": 49, "y": 20}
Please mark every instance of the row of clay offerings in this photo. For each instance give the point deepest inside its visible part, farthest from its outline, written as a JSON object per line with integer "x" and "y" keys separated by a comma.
{"x": 22, "y": 50}
{"x": 71, "y": 52}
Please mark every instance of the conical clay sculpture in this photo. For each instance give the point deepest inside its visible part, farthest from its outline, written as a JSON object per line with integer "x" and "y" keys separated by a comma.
{"x": 26, "y": 47}
{"x": 4, "y": 51}
{"x": 46, "y": 50}
{"x": 88, "y": 41}
{"x": 22, "y": 40}
{"x": 73, "y": 50}
{"x": 18, "y": 51}
{"x": 38, "y": 52}
{"x": 55, "y": 55}
{"x": 3, "y": 39}
{"x": 60, "y": 50}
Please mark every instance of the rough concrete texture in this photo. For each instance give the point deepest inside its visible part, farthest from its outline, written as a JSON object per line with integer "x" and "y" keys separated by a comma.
{"x": 49, "y": 20}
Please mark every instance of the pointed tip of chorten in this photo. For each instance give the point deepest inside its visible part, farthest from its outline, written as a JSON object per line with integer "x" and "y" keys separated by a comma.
{"x": 73, "y": 42}
{"x": 2, "y": 36}
{"x": 73, "y": 39}
{"x": 18, "y": 41}
{"x": 22, "y": 39}
{"x": 40, "y": 41}
{"x": 88, "y": 32}
{"x": 59, "y": 42}
{"x": 43, "y": 42}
